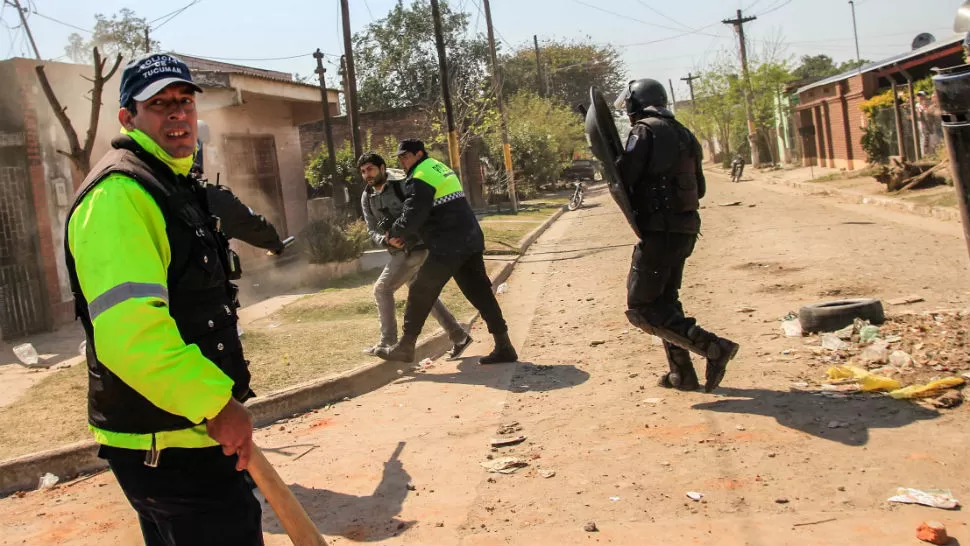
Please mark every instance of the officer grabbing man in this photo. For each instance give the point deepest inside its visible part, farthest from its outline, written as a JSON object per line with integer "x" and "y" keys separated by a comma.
{"x": 435, "y": 208}
{"x": 383, "y": 202}
{"x": 150, "y": 271}
{"x": 659, "y": 178}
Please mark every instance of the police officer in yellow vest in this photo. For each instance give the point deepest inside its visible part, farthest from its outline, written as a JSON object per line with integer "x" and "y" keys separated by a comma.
{"x": 436, "y": 209}
{"x": 150, "y": 275}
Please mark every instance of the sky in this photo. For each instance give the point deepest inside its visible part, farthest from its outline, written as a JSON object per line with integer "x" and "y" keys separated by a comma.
{"x": 660, "y": 40}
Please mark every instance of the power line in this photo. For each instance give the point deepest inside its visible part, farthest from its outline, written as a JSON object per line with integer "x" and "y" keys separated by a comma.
{"x": 775, "y": 8}
{"x": 658, "y": 12}
{"x": 301, "y": 55}
{"x": 42, "y": 16}
{"x": 674, "y": 37}
{"x": 369, "y": 12}
{"x": 175, "y": 12}
{"x": 174, "y": 15}
{"x": 481, "y": 12}
{"x": 626, "y": 17}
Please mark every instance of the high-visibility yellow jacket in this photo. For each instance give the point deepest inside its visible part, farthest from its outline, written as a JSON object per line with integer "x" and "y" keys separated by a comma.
{"x": 117, "y": 238}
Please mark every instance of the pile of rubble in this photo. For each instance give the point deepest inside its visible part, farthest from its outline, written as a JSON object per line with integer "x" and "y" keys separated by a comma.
{"x": 907, "y": 350}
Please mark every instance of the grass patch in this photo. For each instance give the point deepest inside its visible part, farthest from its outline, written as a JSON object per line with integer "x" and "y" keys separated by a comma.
{"x": 948, "y": 199}
{"x": 319, "y": 335}
{"x": 52, "y": 413}
{"x": 504, "y": 231}
{"x": 867, "y": 172}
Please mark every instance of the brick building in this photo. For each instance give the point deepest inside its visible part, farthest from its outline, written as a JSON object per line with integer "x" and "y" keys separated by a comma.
{"x": 828, "y": 117}
{"x": 253, "y": 116}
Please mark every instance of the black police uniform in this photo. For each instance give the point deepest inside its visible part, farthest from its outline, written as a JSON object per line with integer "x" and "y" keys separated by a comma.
{"x": 662, "y": 162}
{"x": 238, "y": 221}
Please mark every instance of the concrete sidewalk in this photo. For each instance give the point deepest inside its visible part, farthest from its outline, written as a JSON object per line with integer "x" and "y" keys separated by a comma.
{"x": 937, "y": 202}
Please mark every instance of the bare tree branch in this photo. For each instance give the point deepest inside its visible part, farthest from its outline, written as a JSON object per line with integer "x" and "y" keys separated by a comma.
{"x": 59, "y": 111}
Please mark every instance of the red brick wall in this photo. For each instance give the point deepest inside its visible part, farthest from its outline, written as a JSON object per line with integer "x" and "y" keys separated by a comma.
{"x": 401, "y": 123}
{"x": 60, "y": 313}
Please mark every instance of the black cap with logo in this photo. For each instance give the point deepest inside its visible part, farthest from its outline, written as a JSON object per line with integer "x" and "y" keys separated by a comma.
{"x": 146, "y": 76}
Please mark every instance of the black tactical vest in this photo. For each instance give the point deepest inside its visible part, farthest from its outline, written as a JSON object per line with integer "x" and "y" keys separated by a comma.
{"x": 669, "y": 182}
{"x": 200, "y": 295}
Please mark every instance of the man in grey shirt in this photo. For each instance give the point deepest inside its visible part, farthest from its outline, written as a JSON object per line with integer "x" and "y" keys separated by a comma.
{"x": 382, "y": 202}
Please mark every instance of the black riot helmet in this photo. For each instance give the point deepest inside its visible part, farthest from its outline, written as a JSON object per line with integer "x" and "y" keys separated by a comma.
{"x": 641, "y": 94}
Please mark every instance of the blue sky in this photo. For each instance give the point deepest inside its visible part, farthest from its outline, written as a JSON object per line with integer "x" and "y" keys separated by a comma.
{"x": 261, "y": 35}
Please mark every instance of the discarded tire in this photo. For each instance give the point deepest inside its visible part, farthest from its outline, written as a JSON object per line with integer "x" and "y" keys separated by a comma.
{"x": 834, "y": 315}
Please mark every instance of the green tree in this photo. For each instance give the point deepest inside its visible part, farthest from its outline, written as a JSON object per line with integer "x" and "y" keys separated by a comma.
{"x": 397, "y": 66}
{"x": 854, "y": 64}
{"x": 815, "y": 67}
{"x": 544, "y": 133}
{"x": 570, "y": 68}
{"x": 123, "y": 34}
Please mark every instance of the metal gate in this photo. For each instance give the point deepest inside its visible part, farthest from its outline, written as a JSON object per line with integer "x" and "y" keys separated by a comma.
{"x": 22, "y": 310}
{"x": 254, "y": 175}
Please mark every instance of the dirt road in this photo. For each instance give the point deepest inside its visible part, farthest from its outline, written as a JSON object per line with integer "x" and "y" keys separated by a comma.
{"x": 624, "y": 452}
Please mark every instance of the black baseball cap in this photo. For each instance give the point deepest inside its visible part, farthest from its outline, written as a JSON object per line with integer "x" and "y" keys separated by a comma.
{"x": 412, "y": 145}
{"x": 145, "y": 76}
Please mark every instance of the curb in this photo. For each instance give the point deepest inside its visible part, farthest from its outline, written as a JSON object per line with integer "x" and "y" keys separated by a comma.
{"x": 940, "y": 213}
{"x": 23, "y": 473}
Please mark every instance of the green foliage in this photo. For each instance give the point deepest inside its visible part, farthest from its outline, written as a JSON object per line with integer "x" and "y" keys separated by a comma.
{"x": 325, "y": 241}
{"x": 875, "y": 142}
{"x": 543, "y": 134}
{"x": 397, "y": 67}
{"x": 398, "y": 62}
{"x": 876, "y": 103}
{"x": 570, "y": 68}
{"x": 817, "y": 67}
{"x": 926, "y": 84}
{"x": 317, "y": 170}
{"x": 123, "y": 34}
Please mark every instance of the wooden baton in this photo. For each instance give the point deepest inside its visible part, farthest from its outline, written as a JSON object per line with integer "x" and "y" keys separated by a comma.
{"x": 289, "y": 511}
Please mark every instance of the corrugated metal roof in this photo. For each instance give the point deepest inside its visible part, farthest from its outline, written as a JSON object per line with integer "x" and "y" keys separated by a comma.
{"x": 939, "y": 44}
{"x": 206, "y": 65}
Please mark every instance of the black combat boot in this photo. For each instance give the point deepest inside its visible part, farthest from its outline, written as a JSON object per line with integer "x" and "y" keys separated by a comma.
{"x": 682, "y": 375}
{"x": 718, "y": 351}
{"x": 503, "y": 353}
{"x": 403, "y": 351}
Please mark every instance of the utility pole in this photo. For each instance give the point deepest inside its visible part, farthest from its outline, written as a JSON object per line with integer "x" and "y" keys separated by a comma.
{"x": 855, "y": 31}
{"x": 30, "y": 35}
{"x": 540, "y": 82}
{"x": 453, "y": 155}
{"x": 738, "y": 25}
{"x": 353, "y": 113}
{"x": 148, "y": 40}
{"x": 690, "y": 82}
{"x": 327, "y": 130}
{"x": 673, "y": 98}
{"x": 497, "y": 82}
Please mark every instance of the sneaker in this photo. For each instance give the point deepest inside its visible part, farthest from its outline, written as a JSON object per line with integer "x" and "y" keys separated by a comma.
{"x": 455, "y": 352}
{"x": 373, "y": 350}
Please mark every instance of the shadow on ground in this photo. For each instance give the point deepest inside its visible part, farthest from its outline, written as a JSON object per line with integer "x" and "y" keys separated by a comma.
{"x": 366, "y": 518}
{"x": 844, "y": 420}
{"x": 524, "y": 376}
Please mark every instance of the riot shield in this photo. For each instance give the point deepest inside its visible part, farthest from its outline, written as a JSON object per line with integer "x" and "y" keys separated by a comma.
{"x": 605, "y": 142}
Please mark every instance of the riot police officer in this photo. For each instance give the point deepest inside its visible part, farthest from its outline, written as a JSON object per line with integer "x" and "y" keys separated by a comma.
{"x": 661, "y": 169}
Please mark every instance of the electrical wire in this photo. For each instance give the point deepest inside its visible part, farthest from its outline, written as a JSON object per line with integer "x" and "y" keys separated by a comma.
{"x": 173, "y": 13}
{"x": 658, "y": 12}
{"x": 626, "y": 17}
{"x": 227, "y": 59}
{"x": 69, "y": 25}
{"x": 369, "y": 12}
{"x": 775, "y": 8}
